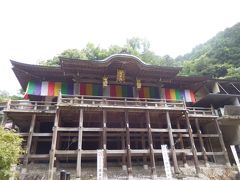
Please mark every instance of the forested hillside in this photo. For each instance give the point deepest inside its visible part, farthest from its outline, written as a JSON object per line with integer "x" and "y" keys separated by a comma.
{"x": 218, "y": 58}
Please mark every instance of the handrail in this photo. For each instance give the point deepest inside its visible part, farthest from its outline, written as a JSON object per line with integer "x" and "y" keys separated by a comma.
{"x": 64, "y": 96}
{"x": 26, "y": 105}
{"x": 120, "y": 101}
{"x": 202, "y": 111}
{"x": 3, "y": 103}
{"x": 105, "y": 101}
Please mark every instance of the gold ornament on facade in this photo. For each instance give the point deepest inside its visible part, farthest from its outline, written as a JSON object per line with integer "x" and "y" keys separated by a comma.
{"x": 120, "y": 75}
{"x": 105, "y": 81}
{"x": 138, "y": 84}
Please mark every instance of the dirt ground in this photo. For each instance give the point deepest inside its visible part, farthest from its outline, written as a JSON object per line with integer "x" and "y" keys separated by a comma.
{"x": 214, "y": 172}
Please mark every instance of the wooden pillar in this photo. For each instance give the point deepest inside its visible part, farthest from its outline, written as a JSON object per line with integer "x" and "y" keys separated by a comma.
{"x": 123, "y": 147}
{"x": 29, "y": 141}
{"x": 4, "y": 118}
{"x": 79, "y": 150}
{"x": 105, "y": 144}
{"x": 34, "y": 143}
{"x": 129, "y": 159}
{"x": 161, "y": 126}
{"x": 205, "y": 158}
{"x": 171, "y": 140}
{"x": 53, "y": 146}
{"x": 152, "y": 158}
{"x": 194, "y": 151}
{"x": 184, "y": 159}
{"x": 222, "y": 142}
{"x": 144, "y": 147}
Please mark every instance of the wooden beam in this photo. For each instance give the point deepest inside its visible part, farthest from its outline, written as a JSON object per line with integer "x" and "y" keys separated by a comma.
{"x": 222, "y": 87}
{"x": 42, "y": 134}
{"x": 29, "y": 141}
{"x": 222, "y": 142}
{"x": 104, "y": 136}
{"x": 129, "y": 159}
{"x": 79, "y": 149}
{"x": 137, "y": 129}
{"x": 184, "y": 159}
{"x": 201, "y": 142}
{"x": 53, "y": 146}
{"x": 150, "y": 140}
{"x": 123, "y": 142}
{"x": 235, "y": 87}
{"x": 194, "y": 151}
{"x": 35, "y": 142}
{"x": 172, "y": 144}
{"x": 143, "y": 141}
{"x": 67, "y": 129}
{"x": 92, "y": 129}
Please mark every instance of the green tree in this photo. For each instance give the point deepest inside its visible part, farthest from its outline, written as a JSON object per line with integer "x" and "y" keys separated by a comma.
{"x": 10, "y": 151}
{"x": 219, "y": 57}
{"x": 134, "y": 46}
{"x": 5, "y": 96}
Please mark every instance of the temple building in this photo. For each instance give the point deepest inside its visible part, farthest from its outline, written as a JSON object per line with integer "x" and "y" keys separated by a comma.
{"x": 128, "y": 109}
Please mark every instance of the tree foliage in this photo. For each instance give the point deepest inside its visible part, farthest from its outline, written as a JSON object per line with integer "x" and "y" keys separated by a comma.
{"x": 134, "y": 46}
{"x": 10, "y": 151}
{"x": 5, "y": 96}
{"x": 217, "y": 58}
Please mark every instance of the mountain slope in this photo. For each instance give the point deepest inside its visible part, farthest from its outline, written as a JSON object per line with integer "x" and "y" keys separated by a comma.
{"x": 218, "y": 58}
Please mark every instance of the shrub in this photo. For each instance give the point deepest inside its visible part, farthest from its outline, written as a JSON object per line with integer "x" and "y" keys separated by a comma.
{"x": 10, "y": 151}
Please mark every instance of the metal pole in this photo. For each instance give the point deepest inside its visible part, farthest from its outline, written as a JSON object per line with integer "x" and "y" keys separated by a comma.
{"x": 67, "y": 175}
{"x": 63, "y": 175}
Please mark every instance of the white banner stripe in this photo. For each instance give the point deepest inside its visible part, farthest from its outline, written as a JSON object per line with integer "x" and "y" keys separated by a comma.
{"x": 188, "y": 96}
{"x": 44, "y": 88}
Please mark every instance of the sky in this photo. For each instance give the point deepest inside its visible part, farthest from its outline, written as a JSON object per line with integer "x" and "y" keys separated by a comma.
{"x": 34, "y": 30}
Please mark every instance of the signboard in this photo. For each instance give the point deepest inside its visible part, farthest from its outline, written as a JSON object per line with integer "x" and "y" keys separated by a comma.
{"x": 166, "y": 162}
{"x": 235, "y": 156}
{"x": 99, "y": 164}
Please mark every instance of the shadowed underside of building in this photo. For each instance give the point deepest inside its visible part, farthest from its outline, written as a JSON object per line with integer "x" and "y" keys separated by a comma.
{"x": 122, "y": 106}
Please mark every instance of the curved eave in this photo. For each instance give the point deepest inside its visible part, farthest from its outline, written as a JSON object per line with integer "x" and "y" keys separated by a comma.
{"x": 26, "y": 72}
{"x": 118, "y": 61}
{"x": 35, "y": 67}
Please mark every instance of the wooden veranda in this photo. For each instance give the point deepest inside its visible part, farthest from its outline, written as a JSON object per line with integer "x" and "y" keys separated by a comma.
{"x": 129, "y": 130}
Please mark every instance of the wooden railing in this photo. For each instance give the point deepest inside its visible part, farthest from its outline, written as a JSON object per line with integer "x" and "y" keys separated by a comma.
{"x": 25, "y": 105}
{"x": 106, "y": 102}
{"x": 200, "y": 111}
{"x": 231, "y": 110}
{"x": 2, "y": 104}
{"x": 120, "y": 102}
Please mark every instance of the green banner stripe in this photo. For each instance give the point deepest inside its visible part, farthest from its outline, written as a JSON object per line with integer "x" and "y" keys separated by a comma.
{"x": 31, "y": 87}
{"x": 95, "y": 90}
{"x": 178, "y": 94}
{"x": 64, "y": 88}
{"x": 152, "y": 92}
{"x": 124, "y": 91}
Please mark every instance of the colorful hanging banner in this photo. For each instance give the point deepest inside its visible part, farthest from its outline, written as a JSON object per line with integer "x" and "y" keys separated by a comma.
{"x": 48, "y": 88}
{"x": 189, "y": 96}
{"x": 88, "y": 89}
{"x": 149, "y": 92}
{"x": 176, "y": 94}
{"x": 119, "y": 91}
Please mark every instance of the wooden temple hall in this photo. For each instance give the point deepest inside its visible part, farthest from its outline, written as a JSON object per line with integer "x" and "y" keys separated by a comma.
{"x": 123, "y": 106}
